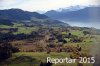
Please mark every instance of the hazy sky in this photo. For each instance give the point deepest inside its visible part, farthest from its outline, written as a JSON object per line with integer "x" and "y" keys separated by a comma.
{"x": 44, "y": 5}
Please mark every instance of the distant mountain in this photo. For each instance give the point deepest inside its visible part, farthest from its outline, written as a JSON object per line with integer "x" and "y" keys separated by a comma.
{"x": 86, "y": 14}
{"x": 71, "y": 8}
{"x": 25, "y": 17}
{"x": 18, "y": 14}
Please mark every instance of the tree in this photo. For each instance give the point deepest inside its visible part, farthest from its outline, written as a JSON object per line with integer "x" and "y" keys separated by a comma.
{"x": 46, "y": 64}
{"x": 86, "y": 32}
{"x": 48, "y": 51}
{"x": 69, "y": 35}
{"x": 5, "y": 51}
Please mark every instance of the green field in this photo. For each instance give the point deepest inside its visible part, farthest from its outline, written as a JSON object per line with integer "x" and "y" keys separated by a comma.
{"x": 21, "y": 28}
{"x": 34, "y": 59}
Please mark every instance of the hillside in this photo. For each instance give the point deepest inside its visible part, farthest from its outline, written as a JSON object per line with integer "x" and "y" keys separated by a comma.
{"x": 18, "y": 14}
{"x": 6, "y": 22}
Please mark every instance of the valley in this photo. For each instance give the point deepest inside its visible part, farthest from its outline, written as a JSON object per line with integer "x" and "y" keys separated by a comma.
{"x": 35, "y": 44}
{"x": 28, "y": 38}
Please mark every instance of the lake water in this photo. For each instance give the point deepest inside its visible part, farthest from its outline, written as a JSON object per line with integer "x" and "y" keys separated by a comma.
{"x": 84, "y": 24}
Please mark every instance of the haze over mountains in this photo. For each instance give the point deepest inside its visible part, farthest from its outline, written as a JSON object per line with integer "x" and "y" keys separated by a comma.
{"x": 83, "y": 17}
{"x": 75, "y": 15}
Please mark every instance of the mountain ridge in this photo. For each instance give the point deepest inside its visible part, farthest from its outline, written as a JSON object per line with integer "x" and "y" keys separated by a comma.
{"x": 86, "y": 14}
{"x": 18, "y": 14}
{"x": 31, "y": 18}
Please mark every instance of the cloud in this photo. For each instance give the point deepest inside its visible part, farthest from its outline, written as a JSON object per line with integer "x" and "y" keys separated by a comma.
{"x": 44, "y": 5}
{"x": 10, "y": 3}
